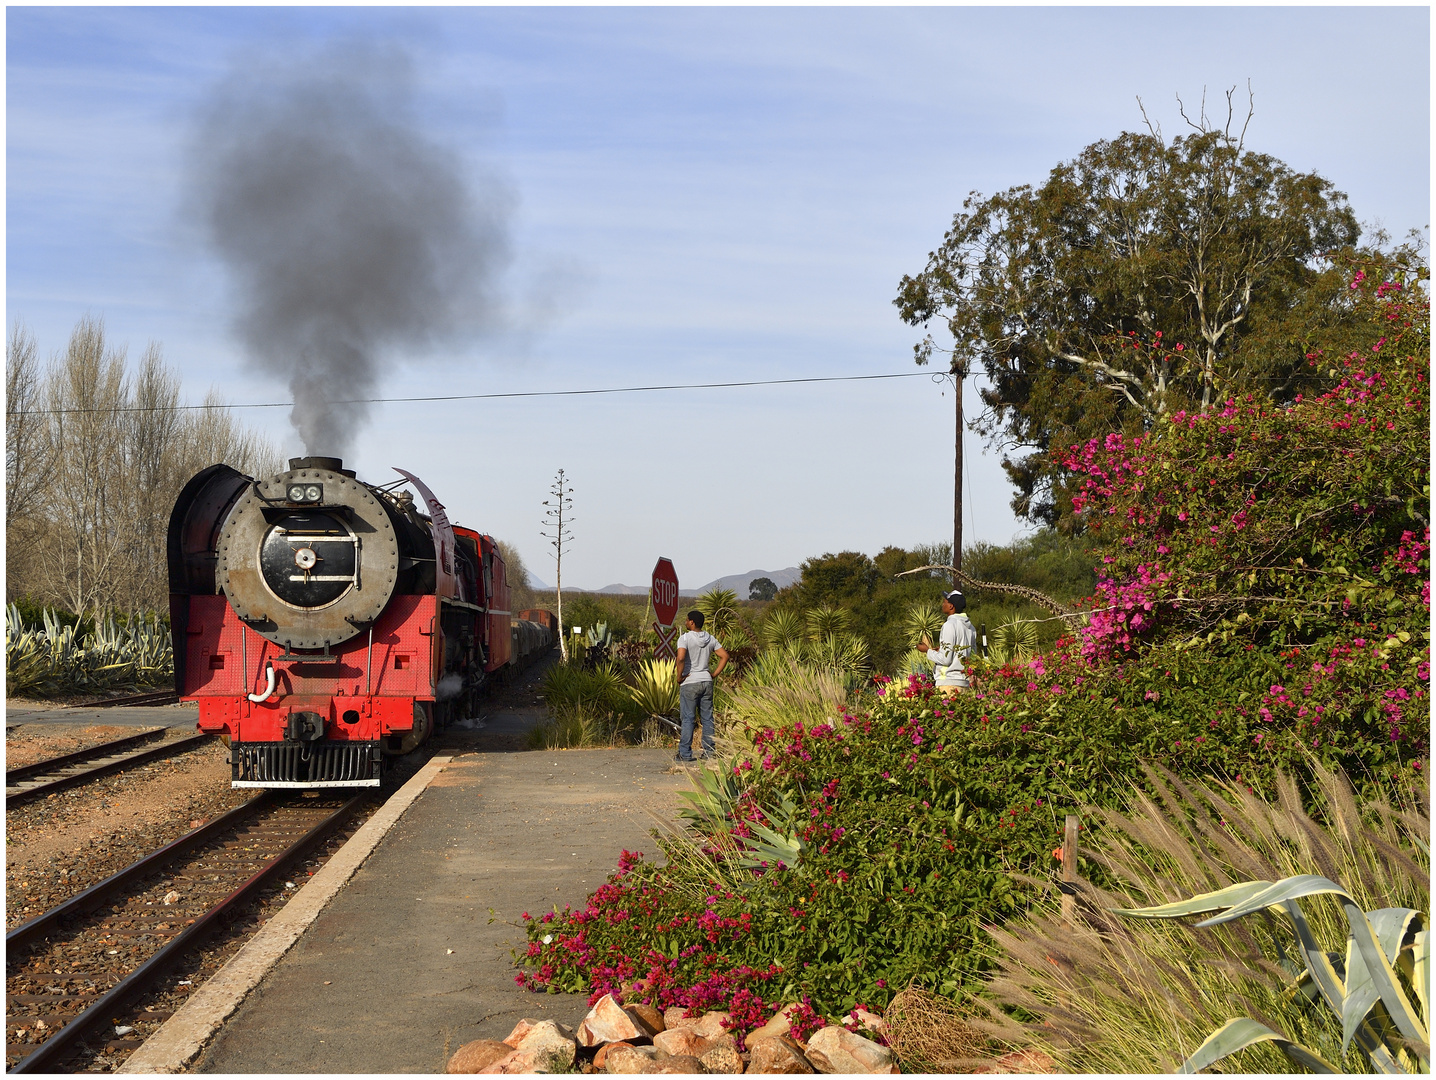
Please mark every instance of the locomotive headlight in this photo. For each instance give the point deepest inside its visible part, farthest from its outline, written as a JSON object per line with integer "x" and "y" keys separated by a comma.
{"x": 305, "y": 493}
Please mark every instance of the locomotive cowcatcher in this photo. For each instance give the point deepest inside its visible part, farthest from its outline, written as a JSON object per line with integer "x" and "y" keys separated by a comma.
{"x": 324, "y": 624}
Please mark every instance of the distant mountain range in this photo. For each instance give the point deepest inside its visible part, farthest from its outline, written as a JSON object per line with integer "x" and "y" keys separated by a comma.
{"x": 739, "y": 583}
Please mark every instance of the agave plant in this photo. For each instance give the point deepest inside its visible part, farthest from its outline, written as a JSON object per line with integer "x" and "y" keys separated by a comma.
{"x": 114, "y": 656}
{"x": 711, "y": 810}
{"x": 1383, "y": 1012}
{"x": 1104, "y": 992}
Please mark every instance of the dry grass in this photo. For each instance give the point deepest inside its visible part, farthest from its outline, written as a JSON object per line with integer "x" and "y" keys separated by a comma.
{"x": 927, "y": 1033}
{"x": 1118, "y": 995}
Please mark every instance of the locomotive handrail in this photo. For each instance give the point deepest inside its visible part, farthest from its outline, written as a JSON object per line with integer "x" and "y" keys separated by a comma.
{"x": 268, "y": 685}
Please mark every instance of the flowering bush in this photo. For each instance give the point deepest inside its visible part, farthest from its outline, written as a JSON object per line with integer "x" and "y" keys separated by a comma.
{"x": 1265, "y": 603}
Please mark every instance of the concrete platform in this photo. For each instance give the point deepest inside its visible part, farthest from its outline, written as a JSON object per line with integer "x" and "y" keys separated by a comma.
{"x": 413, "y": 957}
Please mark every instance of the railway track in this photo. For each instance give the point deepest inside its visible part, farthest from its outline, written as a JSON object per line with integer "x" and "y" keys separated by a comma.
{"x": 75, "y": 974}
{"x": 42, "y": 778}
{"x": 160, "y": 697}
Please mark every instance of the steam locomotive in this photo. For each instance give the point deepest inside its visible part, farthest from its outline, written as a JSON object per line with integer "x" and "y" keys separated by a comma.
{"x": 324, "y": 624}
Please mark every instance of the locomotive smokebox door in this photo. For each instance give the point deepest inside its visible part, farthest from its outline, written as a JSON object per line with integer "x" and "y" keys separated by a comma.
{"x": 304, "y": 727}
{"x": 309, "y": 558}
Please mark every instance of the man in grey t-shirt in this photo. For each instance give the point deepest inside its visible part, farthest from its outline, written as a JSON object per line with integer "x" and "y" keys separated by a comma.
{"x": 695, "y": 685}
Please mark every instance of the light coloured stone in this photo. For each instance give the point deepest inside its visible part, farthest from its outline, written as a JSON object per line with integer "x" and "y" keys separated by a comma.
{"x": 608, "y": 1021}
{"x": 1025, "y": 1061}
{"x": 649, "y": 1015}
{"x": 779, "y": 1024}
{"x": 721, "y": 1055}
{"x": 630, "y": 1059}
{"x": 776, "y": 1054}
{"x": 682, "y": 1064}
{"x": 606, "y": 1049}
{"x": 476, "y": 1056}
{"x": 837, "y": 1050}
{"x": 679, "y": 1041}
{"x": 516, "y": 1036}
{"x": 712, "y": 1024}
{"x": 543, "y": 1046}
{"x": 673, "y": 1017}
{"x": 868, "y": 1021}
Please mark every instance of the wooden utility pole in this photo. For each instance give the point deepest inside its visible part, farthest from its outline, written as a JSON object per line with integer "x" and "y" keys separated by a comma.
{"x": 958, "y": 374}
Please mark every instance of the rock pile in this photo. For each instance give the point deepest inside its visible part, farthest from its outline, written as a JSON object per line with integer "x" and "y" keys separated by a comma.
{"x": 617, "y": 1038}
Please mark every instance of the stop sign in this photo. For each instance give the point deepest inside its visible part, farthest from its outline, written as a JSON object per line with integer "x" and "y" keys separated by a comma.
{"x": 665, "y": 592}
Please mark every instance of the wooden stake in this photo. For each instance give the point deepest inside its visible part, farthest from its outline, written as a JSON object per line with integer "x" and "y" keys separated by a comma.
{"x": 1069, "y": 868}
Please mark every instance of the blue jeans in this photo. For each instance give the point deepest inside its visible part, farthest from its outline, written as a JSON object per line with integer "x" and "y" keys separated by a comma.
{"x": 695, "y": 697}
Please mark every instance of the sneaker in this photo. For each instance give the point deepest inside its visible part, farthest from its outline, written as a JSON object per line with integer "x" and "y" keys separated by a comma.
{"x": 684, "y": 760}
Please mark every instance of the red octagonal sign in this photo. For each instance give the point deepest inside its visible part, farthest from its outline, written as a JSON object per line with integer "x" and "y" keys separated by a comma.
{"x": 665, "y": 592}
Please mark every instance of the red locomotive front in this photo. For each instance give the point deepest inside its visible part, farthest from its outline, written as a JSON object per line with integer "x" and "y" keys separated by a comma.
{"x": 323, "y": 624}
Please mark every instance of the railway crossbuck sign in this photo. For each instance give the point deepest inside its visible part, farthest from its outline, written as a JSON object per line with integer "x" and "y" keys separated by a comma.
{"x": 665, "y": 605}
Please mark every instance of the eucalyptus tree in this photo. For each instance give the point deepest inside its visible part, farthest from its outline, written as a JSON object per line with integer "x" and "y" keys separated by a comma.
{"x": 1121, "y": 290}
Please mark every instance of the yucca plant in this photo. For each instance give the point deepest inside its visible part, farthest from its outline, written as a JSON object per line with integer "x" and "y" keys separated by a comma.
{"x": 655, "y": 688}
{"x": 782, "y": 628}
{"x": 782, "y": 689}
{"x": 720, "y": 608}
{"x": 846, "y": 653}
{"x": 1015, "y": 640}
{"x": 924, "y": 619}
{"x": 828, "y": 620}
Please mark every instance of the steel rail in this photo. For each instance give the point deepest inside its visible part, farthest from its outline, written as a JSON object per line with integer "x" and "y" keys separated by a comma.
{"x": 96, "y": 894}
{"x": 53, "y": 1049}
{"x": 114, "y": 746}
{"x": 159, "y": 697}
{"x": 84, "y": 776}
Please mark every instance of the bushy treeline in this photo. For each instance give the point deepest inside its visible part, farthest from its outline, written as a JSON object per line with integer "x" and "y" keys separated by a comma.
{"x": 880, "y": 600}
{"x": 1263, "y": 606}
{"x": 96, "y": 450}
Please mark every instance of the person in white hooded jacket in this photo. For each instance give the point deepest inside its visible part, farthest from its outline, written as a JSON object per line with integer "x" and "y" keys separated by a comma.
{"x": 954, "y": 644}
{"x": 695, "y": 684}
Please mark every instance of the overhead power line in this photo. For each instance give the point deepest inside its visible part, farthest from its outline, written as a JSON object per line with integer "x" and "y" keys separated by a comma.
{"x": 489, "y": 397}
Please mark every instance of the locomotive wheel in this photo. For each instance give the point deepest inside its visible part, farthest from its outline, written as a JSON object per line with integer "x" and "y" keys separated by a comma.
{"x": 423, "y": 728}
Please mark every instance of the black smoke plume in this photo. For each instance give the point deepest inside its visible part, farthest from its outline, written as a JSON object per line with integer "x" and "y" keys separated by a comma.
{"x": 353, "y": 239}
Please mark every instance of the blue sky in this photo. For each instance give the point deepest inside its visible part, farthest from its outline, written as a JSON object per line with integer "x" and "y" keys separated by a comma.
{"x": 697, "y": 195}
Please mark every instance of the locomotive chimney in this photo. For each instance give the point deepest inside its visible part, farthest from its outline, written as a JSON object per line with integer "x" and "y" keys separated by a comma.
{"x": 330, "y": 464}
